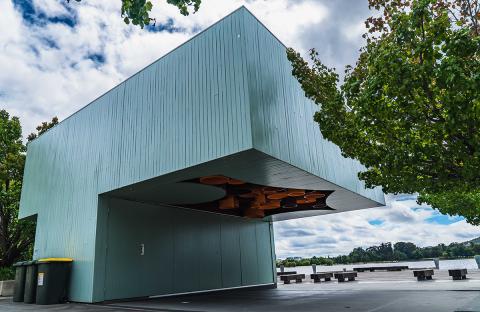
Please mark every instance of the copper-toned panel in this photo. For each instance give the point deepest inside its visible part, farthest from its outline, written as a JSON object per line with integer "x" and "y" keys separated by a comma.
{"x": 257, "y": 201}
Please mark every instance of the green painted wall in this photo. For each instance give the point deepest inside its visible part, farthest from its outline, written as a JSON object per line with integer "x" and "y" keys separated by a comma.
{"x": 185, "y": 251}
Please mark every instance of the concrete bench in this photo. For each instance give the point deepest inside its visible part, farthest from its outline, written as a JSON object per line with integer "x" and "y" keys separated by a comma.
{"x": 458, "y": 274}
{"x": 296, "y": 277}
{"x": 341, "y": 276}
{"x": 316, "y": 277}
{"x": 379, "y": 268}
{"x": 422, "y": 275}
{"x": 286, "y": 273}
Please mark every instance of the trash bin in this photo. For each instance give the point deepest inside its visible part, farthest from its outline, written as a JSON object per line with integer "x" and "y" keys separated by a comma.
{"x": 19, "y": 287}
{"x": 30, "y": 282}
{"x": 53, "y": 278}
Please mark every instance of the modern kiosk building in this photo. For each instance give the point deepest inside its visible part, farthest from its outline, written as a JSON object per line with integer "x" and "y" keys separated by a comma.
{"x": 169, "y": 183}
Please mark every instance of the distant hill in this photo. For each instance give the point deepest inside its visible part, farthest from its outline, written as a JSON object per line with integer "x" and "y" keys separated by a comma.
{"x": 475, "y": 241}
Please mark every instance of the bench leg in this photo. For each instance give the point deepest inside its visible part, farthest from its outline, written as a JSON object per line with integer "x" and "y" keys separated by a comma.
{"x": 464, "y": 277}
{"x": 372, "y": 270}
{"x": 341, "y": 279}
{"x": 351, "y": 278}
{"x": 327, "y": 279}
{"x": 286, "y": 282}
{"x": 316, "y": 280}
{"x": 429, "y": 277}
{"x": 420, "y": 278}
{"x": 456, "y": 277}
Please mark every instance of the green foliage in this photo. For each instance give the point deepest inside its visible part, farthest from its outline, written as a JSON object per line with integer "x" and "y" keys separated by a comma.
{"x": 137, "y": 12}
{"x": 16, "y": 236}
{"x": 7, "y": 273}
{"x": 466, "y": 203}
{"x": 184, "y": 5}
{"x": 405, "y": 249}
{"x": 474, "y": 241}
{"x": 409, "y": 110}
{"x": 401, "y": 251}
{"x": 41, "y": 129}
{"x": 291, "y": 262}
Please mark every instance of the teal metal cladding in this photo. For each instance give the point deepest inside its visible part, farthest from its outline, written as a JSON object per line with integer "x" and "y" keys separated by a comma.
{"x": 184, "y": 251}
{"x": 227, "y": 90}
{"x": 188, "y": 107}
{"x": 282, "y": 117}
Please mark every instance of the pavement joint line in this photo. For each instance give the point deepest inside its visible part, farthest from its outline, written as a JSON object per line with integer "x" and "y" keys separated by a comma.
{"x": 385, "y": 305}
{"x": 346, "y": 291}
{"x": 137, "y": 308}
{"x": 110, "y": 308}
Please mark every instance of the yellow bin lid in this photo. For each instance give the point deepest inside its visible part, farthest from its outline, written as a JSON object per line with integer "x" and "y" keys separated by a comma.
{"x": 55, "y": 260}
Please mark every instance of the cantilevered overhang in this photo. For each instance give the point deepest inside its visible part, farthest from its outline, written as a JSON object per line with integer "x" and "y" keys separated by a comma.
{"x": 251, "y": 171}
{"x": 223, "y": 103}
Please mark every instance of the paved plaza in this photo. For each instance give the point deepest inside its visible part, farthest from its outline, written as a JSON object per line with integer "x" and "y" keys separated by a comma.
{"x": 373, "y": 291}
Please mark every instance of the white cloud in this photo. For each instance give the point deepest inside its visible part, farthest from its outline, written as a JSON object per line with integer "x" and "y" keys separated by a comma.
{"x": 51, "y": 8}
{"x": 300, "y": 17}
{"x": 402, "y": 220}
{"x": 354, "y": 32}
{"x": 46, "y": 69}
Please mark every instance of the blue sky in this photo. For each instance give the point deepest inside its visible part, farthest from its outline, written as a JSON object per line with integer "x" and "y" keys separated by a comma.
{"x": 56, "y": 57}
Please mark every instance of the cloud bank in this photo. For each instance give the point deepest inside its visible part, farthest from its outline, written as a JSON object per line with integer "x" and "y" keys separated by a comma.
{"x": 402, "y": 219}
{"x": 56, "y": 57}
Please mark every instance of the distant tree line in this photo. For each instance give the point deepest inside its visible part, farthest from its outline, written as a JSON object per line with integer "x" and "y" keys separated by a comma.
{"x": 400, "y": 251}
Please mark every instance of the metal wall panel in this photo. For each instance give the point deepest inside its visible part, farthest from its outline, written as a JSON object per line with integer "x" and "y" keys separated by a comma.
{"x": 282, "y": 117}
{"x": 264, "y": 255}
{"x": 183, "y": 251}
{"x": 231, "y": 264}
{"x": 248, "y": 254}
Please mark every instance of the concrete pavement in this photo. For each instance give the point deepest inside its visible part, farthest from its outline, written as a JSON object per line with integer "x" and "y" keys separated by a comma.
{"x": 374, "y": 291}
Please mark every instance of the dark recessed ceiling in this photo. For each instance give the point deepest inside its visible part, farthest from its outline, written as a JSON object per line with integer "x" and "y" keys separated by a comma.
{"x": 256, "y": 201}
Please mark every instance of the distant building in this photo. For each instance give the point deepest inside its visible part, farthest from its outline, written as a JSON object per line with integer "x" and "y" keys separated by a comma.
{"x": 169, "y": 183}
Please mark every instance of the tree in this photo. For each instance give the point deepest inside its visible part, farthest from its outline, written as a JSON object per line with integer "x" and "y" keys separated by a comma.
{"x": 409, "y": 110}
{"x": 399, "y": 256}
{"x": 16, "y": 236}
{"x": 382, "y": 252}
{"x": 405, "y": 248}
{"x": 43, "y": 128}
{"x": 137, "y": 12}
{"x": 358, "y": 255}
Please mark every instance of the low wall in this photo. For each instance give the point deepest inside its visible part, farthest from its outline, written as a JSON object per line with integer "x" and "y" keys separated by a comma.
{"x": 6, "y": 288}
